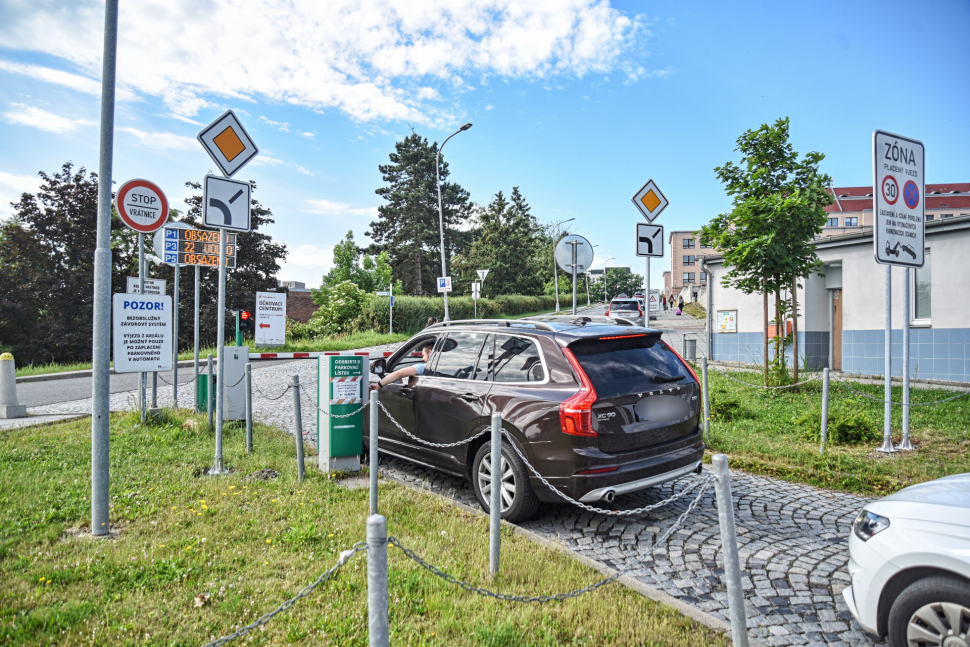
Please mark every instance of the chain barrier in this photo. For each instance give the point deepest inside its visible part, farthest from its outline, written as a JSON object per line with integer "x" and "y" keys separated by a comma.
{"x": 541, "y": 599}
{"x": 616, "y": 513}
{"x": 759, "y": 386}
{"x": 894, "y": 402}
{"x": 266, "y": 397}
{"x": 425, "y": 442}
{"x": 326, "y": 575}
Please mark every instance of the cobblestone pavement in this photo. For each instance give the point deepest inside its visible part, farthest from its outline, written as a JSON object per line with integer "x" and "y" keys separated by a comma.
{"x": 791, "y": 539}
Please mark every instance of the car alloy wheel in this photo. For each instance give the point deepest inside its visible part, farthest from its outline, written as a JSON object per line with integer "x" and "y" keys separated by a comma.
{"x": 485, "y": 478}
{"x": 943, "y": 624}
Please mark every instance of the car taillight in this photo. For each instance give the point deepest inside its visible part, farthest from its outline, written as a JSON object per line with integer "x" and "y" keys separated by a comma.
{"x": 576, "y": 413}
{"x": 682, "y": 361}
{"x": 607, "y": 311}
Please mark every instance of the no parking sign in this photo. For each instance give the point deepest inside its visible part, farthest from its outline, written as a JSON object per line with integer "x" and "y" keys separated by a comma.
{"x": 898, "y": 165}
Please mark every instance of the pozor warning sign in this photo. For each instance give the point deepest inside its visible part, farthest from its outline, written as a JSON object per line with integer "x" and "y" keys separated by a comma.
{"x": 142, "y": 333}
{"x": 898, "y": 165}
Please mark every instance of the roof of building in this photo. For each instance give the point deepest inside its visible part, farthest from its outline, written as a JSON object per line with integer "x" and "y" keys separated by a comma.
{"x": 938, "y": 196}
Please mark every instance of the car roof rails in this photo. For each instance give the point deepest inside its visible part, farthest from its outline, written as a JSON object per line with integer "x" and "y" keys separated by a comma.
{"x": 508, "y": 323}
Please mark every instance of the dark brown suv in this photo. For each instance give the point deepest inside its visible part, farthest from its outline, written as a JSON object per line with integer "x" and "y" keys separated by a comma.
{"x": 598, "y": 409}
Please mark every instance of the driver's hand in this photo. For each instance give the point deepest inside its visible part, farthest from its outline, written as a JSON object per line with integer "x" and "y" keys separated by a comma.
{"x": 373, "y": 387}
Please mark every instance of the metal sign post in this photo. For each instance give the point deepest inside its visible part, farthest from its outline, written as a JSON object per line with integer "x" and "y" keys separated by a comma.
{"x": 225, "y": 205}
{"x": 899, "y": 210}
{"x": 574, "y": 254}
{"x": 195, "y": 380}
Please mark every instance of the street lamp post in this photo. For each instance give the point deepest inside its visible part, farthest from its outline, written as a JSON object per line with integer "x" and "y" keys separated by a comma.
{"x": 555, "y": 271}
{"x": 605, "y": 295}
{"x": 441, "y": 219}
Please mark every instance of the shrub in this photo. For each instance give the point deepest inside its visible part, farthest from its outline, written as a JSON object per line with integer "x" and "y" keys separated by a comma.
{"x": 726, "y": 407}
{"x": 341, "y": 307}
{"x": 848, "y": 424}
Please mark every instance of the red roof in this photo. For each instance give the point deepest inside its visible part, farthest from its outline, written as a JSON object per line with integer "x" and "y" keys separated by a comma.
{"x": 853, "y": 198}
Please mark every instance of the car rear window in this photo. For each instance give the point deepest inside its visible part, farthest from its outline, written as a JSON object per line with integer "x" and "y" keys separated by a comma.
{"x": 631, "y": 365}
{"x": 624, "y": 305}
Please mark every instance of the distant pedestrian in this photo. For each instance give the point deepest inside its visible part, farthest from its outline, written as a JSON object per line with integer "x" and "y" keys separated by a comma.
{"x": 432, "y": 321}
{"x": 664, "y": 300}
{"x": 680, "y": 302}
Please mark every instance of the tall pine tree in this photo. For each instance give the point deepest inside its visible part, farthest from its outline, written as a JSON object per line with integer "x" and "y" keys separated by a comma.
{"x": 407, "y": 225}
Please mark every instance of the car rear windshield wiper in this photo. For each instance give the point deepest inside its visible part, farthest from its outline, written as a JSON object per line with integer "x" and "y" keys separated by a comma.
{"x": 669, "y": 378}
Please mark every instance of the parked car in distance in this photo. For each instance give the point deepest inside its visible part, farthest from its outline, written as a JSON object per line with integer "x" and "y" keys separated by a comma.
{"x": 629, "y": 307}
{"x": 598, "y": 409}
{"x": 909, "y": 560}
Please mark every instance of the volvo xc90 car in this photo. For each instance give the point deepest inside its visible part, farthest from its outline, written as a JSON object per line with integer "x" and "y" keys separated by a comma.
{"x": 598, "y": 409}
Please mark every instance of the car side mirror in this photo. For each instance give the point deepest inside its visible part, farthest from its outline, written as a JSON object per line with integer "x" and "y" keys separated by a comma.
{"x": 378, "y": 366}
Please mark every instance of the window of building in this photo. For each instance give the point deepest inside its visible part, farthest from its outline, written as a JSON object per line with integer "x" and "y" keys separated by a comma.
{"x": 688, "y": 243}
{"x": 833, "y": 222}
{"x": 851, "y": 222}
{"x": 688, "y": 260}
{"x": 703, "y": 277}
{"x": 945, "y": 215}
{"x": 705, "y": 246}
{"x": 688, "y": 277}
{"x": 930, "y": 217}
{"x": 921, "y": 292}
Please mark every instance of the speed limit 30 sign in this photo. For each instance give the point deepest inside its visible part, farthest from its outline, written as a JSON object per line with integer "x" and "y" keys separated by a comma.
{"x": 899, "y": 209}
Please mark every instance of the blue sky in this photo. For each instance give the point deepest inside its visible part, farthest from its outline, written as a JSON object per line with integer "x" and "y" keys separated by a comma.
{"x": 577, "y": 102}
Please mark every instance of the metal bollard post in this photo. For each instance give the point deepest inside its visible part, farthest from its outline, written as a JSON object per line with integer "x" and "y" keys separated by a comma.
{"x": 210, "y": 392}
{"x": 378, "y": 633}
{"x": 249, "y": 408}
{"x": 373, "y": 461}
{"x": 154, "y": 389}
{"x": 729, "y": 547}
{"x": 495, "y": 501}
{"x": 707, "y": 401}
{"x": 825, "y": 410}
{"x": 297, "y": 414}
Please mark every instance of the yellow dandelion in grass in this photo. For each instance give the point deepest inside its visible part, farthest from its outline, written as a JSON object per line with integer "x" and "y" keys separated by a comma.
{"x": 205, "y": 507}
{"x": 161, "y": 546}
{"x": 301, "y": 502}
{"x": 331, "y": 535}
{"x": 269, "y": 541}
{"x": 223, "y": 494}
{"x": 174, "y": 507}
{"x": 273, "y": 500}
{"x": 41, "y": 580}
{"x": 265, "y": 563}
{"x": 232, "y": 487}
{"x": 188, "y": 548}
{"x": 198, "y": 514}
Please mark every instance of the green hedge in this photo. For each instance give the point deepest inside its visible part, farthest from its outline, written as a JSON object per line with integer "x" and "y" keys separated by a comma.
{"x": 411, "y": 314}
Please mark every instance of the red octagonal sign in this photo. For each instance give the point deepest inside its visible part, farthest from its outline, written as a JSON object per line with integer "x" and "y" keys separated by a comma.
{"x": 142, "y": 205}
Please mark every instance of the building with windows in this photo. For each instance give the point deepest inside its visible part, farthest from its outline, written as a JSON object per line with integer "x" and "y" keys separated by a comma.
{"x": 597, "y": 275}
{"x": 852, "y": 209}
{"x": 686, "y": 278}
{"x": 841, "y": 320}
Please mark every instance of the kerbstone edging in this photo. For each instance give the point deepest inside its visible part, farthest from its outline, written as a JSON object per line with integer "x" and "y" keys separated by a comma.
{"x": 631, "y": 583}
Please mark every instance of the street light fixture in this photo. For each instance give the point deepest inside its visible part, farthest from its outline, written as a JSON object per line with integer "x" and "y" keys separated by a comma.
{"x": 555, "y": 272}
{"x": 441, "y": 219}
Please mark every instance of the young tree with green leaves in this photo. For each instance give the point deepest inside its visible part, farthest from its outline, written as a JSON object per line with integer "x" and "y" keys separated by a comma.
{"x": 620, "y": 281}
{"x": 766, "y": 240}
{"x": 407, "y": 224}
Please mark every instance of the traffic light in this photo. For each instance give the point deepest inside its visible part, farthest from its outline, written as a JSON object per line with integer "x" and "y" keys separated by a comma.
{"x": 246, "y": 317}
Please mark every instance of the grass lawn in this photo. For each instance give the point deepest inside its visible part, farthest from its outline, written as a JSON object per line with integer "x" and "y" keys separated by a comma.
{"x": 343, "y": 342}
{"x": 251, "y": 544}
{"x": 695, "y": 310}
{"x": 777, "y": 433}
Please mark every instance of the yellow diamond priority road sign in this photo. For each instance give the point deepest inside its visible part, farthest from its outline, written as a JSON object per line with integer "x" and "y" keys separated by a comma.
{"x": 650, "y": 201}
{"x": 227, "y": 143}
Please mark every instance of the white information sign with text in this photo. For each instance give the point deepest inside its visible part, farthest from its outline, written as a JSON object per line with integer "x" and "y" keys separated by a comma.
{"x": 141, "y": 333}
{"x": 899, "y": 206}
{"x": 270, "y": 319}
{"x": 152, "y": 286}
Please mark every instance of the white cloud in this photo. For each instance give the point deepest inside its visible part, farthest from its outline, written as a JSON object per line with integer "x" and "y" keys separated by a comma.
{"x": 283, "y": 126}
{"x": 309, "y": 134}
{"x": 58, "y": 77}
{"x": 372, "y": 60}
{"x": 265, "y": 160}
{"x": 489, "y": 107}
{"x": 162, "y": 140}
{"x": 304, "y": 170}
{"x": 25, "y": 115}
{"x": 307, "y": 263}
{"x": 333, "y": 208}
{"x": 11, "y": 187}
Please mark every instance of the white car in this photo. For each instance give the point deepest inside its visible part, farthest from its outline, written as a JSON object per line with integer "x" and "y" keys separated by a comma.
{"x": 909, "y": 559}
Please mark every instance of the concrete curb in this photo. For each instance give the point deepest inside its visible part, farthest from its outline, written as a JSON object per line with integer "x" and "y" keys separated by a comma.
{"x": 67, "y": 375}
{"x": 656, "y": 595}
{"x": 854, "y": 377}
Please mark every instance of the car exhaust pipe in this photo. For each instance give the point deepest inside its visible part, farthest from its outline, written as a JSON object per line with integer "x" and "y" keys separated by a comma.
{"x": 609, "y": 495}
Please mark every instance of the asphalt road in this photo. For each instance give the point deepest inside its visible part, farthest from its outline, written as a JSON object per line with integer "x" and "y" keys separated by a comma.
{"x": 35, "y": 394}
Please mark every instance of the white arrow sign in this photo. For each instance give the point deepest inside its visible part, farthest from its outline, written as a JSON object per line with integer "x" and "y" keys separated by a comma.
{"x": 650, "y": 240}
{"x": 226, "y": 203}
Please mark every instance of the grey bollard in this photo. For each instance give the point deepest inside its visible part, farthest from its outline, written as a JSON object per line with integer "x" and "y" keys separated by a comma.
{"x": 298, "y": 416}
{"x": 495, "y": 500}
{"x": 249, "y": 408}
{"x": 729, "y": 548}
{"x": 378, "y": 632}
{"x": 825, "y": 410}
{"x": 373, "y": 461}
{"x": 209, "y": 391}
{"x": 154, "y": 389}
{"x": 707, "y": 400}
{"x": 9, "y": 406}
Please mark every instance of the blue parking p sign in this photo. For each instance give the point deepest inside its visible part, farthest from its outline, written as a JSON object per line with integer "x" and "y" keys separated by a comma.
{"x": 444, "y": 284}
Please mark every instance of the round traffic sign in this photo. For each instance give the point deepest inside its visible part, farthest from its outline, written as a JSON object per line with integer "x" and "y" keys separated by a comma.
{"x": 142, "y": 205}
{"x": 911, "y": 194}
{"x": 564, "y": 254}
{"x": 890, "y": 190}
